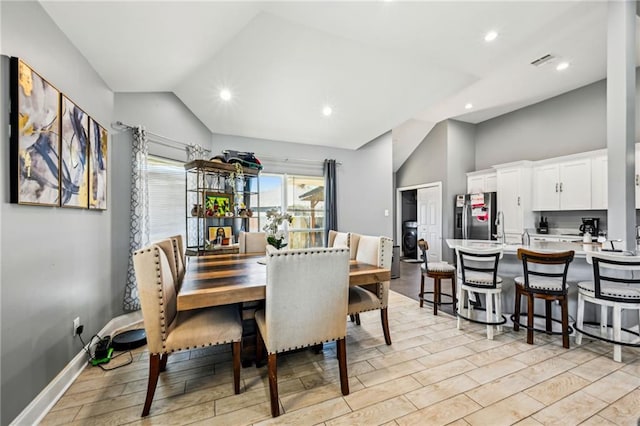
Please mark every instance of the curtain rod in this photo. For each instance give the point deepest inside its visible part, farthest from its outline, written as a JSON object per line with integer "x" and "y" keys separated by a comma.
{"x": 293, "y": 160}
{"x": 184, "y": 144}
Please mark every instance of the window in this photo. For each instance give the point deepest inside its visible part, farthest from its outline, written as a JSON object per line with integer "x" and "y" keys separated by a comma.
{"x": 303, "y": 198}
{"x": 166, "y": 198}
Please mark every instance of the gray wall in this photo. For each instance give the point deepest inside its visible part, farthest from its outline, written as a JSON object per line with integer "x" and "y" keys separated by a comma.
{"x": 446, "y": 154}
{"x": 573, "y": 122}
{"x": 365, "y": 178}
{"x": 56, "y": 262}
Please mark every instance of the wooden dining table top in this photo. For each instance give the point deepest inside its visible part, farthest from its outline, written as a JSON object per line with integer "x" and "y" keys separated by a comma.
{"x": 233, "y": 278}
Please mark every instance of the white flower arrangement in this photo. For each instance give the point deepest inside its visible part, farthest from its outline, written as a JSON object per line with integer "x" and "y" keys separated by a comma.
{"x": 275, "y": 235}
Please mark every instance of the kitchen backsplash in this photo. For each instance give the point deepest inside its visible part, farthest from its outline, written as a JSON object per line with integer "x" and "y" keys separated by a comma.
{"x": 567, "y": 220}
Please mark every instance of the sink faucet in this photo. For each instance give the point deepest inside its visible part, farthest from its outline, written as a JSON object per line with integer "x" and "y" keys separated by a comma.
{"x": 500, "y": 227}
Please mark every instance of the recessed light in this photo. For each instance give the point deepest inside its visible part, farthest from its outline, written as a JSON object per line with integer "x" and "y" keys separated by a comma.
{"x": 327, "y": 111}
{"x": 490, "y": 36}
{"x": 225, "y": 94}
{"x": 468, "y": 105}
{"x": 562, "y": 66}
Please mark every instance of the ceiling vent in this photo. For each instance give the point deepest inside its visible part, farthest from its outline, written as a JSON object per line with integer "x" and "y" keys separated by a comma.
{"x": 548, "y": 58}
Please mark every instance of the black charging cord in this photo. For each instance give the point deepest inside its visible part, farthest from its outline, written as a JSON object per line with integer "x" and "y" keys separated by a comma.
{"x": 90, "y": 357}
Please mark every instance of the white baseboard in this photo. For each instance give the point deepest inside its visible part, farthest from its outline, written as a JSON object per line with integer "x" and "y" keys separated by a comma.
{"x": 41, "y": 404}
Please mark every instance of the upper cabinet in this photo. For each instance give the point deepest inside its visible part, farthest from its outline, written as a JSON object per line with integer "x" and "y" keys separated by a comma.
{"x": 514, "y": 198}
{"x": 599, "y": 190}
{"x": 563, "y": 185}
{"x": 481, "y": 181}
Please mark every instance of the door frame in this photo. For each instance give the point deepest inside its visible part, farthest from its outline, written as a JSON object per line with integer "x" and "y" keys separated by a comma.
{"x": 399, "y": 191}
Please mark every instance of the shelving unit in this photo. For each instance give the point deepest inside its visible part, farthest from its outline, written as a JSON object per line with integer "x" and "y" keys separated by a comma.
{"x": 215, "y": 194}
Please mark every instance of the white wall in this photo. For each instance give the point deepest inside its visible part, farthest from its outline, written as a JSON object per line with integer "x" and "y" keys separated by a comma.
{"x": 364, "y": 180}
{"x": 56, "y": 261}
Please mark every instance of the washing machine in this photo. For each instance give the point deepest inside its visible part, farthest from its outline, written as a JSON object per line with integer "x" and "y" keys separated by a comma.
{"x": 410, "y": 239}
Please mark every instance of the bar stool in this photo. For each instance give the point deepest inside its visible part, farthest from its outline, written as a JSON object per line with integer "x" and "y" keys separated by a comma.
{"x": 545, "y": 277}
{"x": 437, "y": 271}
{"x": 614, "y": 286}
{"x": 478, "y": 274}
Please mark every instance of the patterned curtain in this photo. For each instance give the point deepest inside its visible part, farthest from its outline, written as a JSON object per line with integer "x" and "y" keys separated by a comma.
{"x": 139, "y": 228}
{"x": 330, "y": 208}
{"x": 195, "y": 152}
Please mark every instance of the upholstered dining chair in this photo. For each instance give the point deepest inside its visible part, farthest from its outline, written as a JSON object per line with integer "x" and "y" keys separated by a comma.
{"x": 615, "y": 286}
{"x": 344, "y": 239}
{"x": 478, "y": 275}
{"x": 170, "y": 331}
{"x": 544, "y": 277}
{"x": 375, "y": 251}
{"x": 252, "y": 242}
{"x": 305, "y": 305}
{"x": 181, "y": 256}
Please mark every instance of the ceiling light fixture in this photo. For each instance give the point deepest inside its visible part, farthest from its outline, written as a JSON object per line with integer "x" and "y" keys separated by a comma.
{"x": 562, "y": 66}
{"x": 490, "y": 36}
{"x": 225, "y": 94}
{"x": 327, "y": 111}
{"x": 468, "y": 105}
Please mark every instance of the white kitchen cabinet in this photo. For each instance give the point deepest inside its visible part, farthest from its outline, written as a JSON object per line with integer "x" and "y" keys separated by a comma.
{"x": 481, "y": 181}
{"x": 562, "y": 186}
{"x": 599, "y": 189}
{"x": 514, "y": 198}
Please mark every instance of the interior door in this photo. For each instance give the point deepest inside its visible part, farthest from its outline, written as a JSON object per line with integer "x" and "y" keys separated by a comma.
{"x": 430, "y": 220}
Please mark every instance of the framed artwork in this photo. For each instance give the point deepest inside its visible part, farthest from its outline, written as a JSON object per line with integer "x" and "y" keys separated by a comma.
{"x": 98, "y": 144}
{"x": 218, "y": 204}
{"x": 74, "y": 155}
{"x": 223, "y": 232}
{"x": 35, "y": 143}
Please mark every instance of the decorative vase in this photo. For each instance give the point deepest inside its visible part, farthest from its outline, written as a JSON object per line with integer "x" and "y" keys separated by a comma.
{"x": 196, "y": 210}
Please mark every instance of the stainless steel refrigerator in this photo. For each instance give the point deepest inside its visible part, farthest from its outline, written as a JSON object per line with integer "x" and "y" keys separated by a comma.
{"x": 475, "y": 216}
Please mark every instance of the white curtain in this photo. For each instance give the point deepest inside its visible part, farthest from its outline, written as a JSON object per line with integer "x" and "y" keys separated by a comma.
{"x": 139, "y": 224}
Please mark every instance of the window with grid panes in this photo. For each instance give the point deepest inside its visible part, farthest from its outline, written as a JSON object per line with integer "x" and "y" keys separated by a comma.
{"x": 303, "y": 198}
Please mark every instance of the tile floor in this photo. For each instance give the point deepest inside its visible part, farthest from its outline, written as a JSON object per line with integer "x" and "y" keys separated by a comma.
{"x": 432, "y": 374}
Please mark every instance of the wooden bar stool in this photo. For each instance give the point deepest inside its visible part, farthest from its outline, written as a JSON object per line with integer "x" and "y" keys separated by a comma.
{"x": 437, "y": 271}
{"x": 549, "y": 283}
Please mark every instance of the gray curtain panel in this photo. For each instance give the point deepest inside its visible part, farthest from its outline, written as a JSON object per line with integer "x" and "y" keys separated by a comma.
{"x": 330, "y": 208}
{"x": 139, "y": 225}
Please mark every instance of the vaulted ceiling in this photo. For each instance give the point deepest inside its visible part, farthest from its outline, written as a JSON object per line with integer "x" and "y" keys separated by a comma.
{"x": 380, "y": 65}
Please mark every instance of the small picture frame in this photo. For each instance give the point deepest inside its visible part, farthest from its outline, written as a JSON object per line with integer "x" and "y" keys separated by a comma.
{"x": 218, "y": 204}
{"x": 222, "y": 232}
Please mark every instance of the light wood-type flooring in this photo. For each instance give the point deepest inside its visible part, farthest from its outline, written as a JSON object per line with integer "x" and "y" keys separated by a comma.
{"x": 432, "y": 374}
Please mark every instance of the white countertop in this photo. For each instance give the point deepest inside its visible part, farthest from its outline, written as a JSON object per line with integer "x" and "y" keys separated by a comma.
{"x": 579, "y": 248}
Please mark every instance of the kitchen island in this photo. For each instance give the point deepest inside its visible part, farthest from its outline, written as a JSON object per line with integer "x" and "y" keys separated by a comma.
{"x": 510, "y": 267}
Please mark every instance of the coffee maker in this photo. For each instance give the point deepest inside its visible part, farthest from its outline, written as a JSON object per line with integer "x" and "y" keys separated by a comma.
{"x": 590, "y": 225}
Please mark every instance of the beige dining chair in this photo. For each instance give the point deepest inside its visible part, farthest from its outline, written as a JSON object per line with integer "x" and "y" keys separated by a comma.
{"x": 181, "y": 257}
{"x": 252, "y": 242}
{"x": 344, "y": 239}
{"x": 170, "y": 331}
{"x": 305, "y": 305}
{"x": 375, "y": 251}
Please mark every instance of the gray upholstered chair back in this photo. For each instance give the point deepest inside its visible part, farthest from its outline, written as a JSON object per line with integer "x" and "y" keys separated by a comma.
{"x": 157, "y": 295}
{"x": 306, "y": 297}
{"x": 252, "y": 242}
{"x": 181, "y": 261}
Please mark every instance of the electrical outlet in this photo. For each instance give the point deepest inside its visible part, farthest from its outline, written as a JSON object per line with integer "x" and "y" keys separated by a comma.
{"x": 76, "y": 324}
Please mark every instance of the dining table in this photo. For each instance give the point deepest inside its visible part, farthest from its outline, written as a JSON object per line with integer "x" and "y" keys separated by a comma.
{"x": 221, "y": 279}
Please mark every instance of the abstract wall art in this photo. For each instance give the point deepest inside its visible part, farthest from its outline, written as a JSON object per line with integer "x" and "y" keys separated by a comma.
{"x": 35, "y": 143}
{"x": 98, "y": 144}
{"x": 74, "y": 155}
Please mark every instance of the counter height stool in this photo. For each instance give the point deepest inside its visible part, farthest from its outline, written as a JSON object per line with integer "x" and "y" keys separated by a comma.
{"x": 478, "y": 274}
{"x": 545, "y": 277}
{"x": 616, "y": 285}
{"x": 436, "y": 271}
